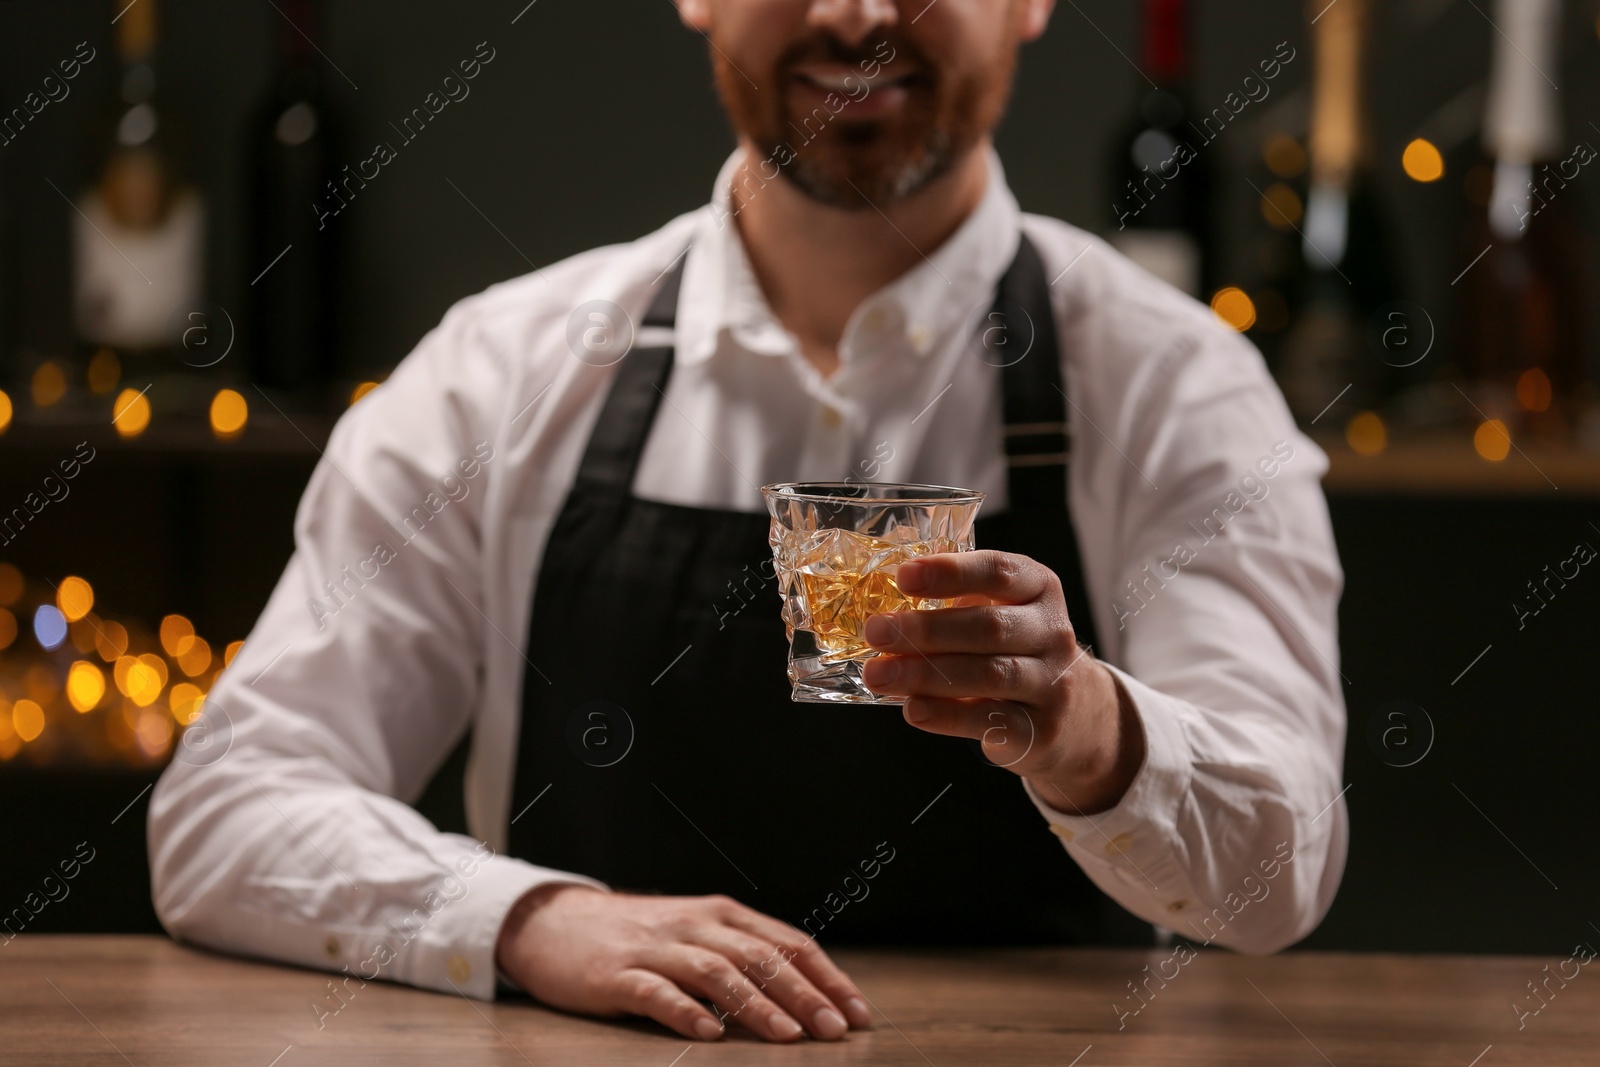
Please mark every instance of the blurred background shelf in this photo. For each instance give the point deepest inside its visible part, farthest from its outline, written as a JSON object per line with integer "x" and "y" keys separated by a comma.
{"x": 268, "y": 435}
{"x": 1444, "y": 464}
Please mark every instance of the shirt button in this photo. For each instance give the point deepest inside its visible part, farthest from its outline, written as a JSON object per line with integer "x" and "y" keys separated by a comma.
{"x": 876, "y": 319}
{"x": 1120, "y": 845}
{"x": 458, "y": 969}
{"x": 331, "y": 947}
{"x": 921, "y": 338}
{"x": 831, "y": 418}
{"x": 1177, "y": 905}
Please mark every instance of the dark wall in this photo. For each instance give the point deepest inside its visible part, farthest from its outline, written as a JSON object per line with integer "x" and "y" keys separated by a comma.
{"x": 1471, "y": 779}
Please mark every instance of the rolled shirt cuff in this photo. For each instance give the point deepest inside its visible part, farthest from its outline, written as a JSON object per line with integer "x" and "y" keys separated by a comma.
{"x": 1133, "y": 850}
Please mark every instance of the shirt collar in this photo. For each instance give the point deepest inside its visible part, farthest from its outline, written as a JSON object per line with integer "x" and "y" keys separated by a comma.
{"x": 721, "y": 301}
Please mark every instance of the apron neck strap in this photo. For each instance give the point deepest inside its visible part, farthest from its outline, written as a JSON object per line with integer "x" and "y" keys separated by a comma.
{"x": 612, "y": 456}
{"x": 1020, "y": 337}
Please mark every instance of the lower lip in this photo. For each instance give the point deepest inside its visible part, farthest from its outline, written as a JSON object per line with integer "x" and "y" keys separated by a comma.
{"x": 878, "y": 102}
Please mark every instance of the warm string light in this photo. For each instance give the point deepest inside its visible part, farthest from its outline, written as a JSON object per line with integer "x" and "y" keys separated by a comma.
{"x": 48, "y": 384}
{"x": 1366, "y": 434}
{"x": 1533, "y": 390}
{"x": 1235, "y": 308}
{"x": 1284, "y": 156}
{"x": 229, "y": 413}
{"x": 86, "y": 685}
{"x": 130, "y": 413}
{"x": 27, "y": 719}
{"x": 133, "y": 701}
{"x": 1281, "y": 206}
{"x": 74, "y": 598}
{"x": 1492, "y": 440}
{"x": 1422, "y": 161}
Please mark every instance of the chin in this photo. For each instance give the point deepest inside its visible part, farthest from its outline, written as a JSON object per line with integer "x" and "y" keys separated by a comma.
{"x": 861, "y": 167}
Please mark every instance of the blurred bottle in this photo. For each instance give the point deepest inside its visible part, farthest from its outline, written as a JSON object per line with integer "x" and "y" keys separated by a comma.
{"x": 1523, "y": 307}
{"x": 1281, "y": 177}
{"x": 139, "y": 231}
{"x": 1345, "y": 268}
{"x": 1161, "y": 174}
{"x": 291, "y": 312}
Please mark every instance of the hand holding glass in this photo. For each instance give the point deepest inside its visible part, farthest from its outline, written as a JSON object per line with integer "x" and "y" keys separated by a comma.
{"x": 836, "y": 547}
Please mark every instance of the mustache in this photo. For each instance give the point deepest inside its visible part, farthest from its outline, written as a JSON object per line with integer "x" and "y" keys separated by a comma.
{"x": 876, "y": 49}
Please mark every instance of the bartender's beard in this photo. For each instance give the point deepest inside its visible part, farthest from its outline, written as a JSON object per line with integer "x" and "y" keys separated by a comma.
{"x": 851, "y": 163}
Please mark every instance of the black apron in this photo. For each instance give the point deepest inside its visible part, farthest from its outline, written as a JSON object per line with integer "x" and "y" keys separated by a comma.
{"x": 660, "y": 752}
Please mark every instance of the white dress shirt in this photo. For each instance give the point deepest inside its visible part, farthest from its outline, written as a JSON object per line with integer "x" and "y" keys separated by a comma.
{"x": 401, "y": 617}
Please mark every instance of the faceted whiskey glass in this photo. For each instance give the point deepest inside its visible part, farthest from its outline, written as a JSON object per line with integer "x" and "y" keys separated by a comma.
{"x": 837, "y": 548}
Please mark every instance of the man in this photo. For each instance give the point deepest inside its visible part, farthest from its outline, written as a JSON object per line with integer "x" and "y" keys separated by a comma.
{"x": 547, "y": 525}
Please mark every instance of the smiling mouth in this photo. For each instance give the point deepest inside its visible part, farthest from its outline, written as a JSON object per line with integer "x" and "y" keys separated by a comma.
{"x": 850, "y": 80}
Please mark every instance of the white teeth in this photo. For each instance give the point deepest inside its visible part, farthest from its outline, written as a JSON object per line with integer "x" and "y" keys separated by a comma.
{"x": 841, "y": 83}
{"x": 849, "y": 81}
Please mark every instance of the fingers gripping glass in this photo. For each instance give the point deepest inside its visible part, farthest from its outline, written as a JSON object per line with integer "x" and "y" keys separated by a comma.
{"x": 836, "y": 548}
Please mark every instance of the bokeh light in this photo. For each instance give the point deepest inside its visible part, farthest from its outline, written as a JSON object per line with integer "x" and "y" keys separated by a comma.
{"x": 8, "y": 628}
{"x": 231, "y": 651}
{"x": 1284, "y": 156}
{"x": 1235, "y": 308}
{"x": 1366, "y": 434}
{"x": 146, "y": 678}
{"x": 48, "y": 385}
{"x": 86, "y": 684}
{"x": 1492, "y": 440}
{"x": 82, "y": 633}
{"x": 1281, "y": 207}
{"x": 187, "y": 702}
{"x": 49, "y": 625}
{"x": 27, "y": 719}
{"x": 1422, "y": 161}
{"x": 5, "y": 411}
{"x": 111, "y": 640}
{"x": 1533, "y": 390}
{"x": 362, "y": 390}
{"x": 119, "y": 673}
{"x": 74, "y": 597}
{"x": 154, "y": 731}
{"x": 229, "y": 413}
{"x": 177, "y": 634}
{"x": 142, "y": 684}
{"x": 131, "y": 413}
{"x": 195, "y": 657}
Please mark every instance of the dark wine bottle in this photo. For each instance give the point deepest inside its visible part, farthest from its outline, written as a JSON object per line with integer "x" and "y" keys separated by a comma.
{"x": 139, "y": 231}
{"x": 292, "y": 309}
{"x": 1526, "y": 272}
{"x": 1346, "y": 269}
{"x": 1161, "y": 175}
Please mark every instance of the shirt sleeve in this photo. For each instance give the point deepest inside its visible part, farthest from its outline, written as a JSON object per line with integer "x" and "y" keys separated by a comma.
{"x": 1221, "y": 614}
{"x": 282, "y": 828}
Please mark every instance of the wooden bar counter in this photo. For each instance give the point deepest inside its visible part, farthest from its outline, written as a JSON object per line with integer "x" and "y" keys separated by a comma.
{"x": 144, "y": 1000}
